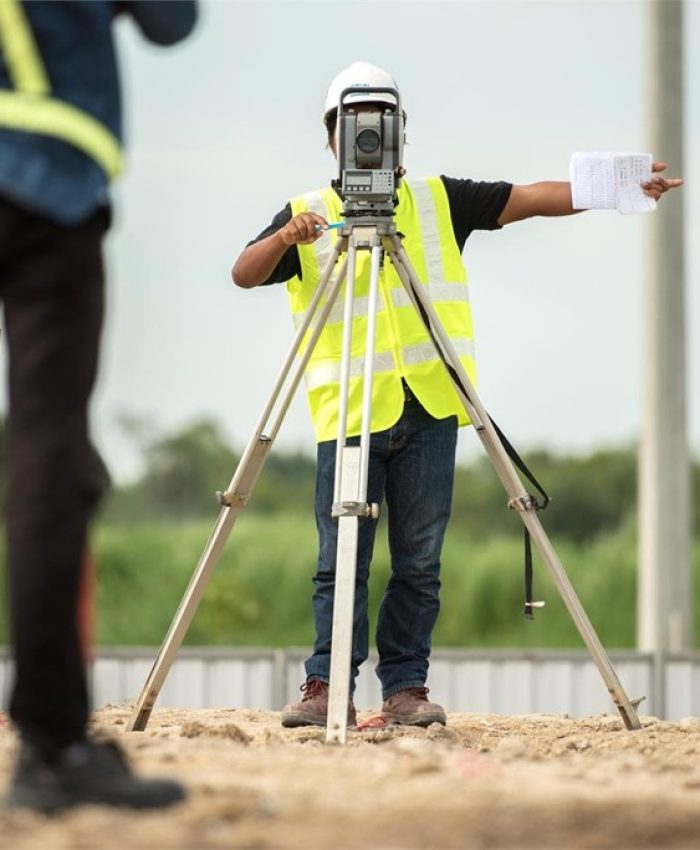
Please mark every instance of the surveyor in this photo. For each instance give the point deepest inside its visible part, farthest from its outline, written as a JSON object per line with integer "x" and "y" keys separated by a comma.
{"x": 60, "y": 146}
{"x": 415, "y": 409}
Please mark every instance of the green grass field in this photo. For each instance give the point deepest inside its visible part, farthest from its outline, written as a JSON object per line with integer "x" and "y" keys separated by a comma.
{"x": 260, "y": 593}
{"x": 152, "y": 532}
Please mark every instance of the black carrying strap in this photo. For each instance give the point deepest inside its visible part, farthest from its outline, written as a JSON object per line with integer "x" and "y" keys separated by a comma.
{"x": 536, "y": 505}
{"x": 529, "y": 604}
{"x": 519, "y": 463}
{"x": 522, "y": 467}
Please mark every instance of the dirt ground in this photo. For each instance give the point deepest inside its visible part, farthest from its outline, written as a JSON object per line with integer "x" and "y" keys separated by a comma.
{"x": 484, "y": 781}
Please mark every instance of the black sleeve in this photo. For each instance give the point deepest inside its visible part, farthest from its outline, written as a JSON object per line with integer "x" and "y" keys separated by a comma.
{"x": 289, "y": 266}
{"x": 164, "y": 22}
{"x": 474, "y": 205}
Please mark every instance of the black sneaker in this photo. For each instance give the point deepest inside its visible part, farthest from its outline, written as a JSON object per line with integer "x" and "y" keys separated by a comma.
{"x": 86, "y": 773}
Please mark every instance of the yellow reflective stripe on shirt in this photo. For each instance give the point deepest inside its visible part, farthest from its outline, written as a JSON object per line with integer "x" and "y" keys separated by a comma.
{"x": 24, "y": 65}
{"x": 36, "y": 114}
{"x": 29, "y": 107}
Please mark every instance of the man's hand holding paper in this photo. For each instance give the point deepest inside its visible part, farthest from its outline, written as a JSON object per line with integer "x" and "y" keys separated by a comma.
{"x": 627, "y": 182}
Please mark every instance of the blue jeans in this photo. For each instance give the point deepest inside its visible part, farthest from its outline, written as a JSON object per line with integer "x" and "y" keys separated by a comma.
{"x": 412, "y": 465}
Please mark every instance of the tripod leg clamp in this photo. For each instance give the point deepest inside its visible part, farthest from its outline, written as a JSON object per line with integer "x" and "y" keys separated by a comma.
{"x": 232, "y": 500}
{"x": 359, "y": 509}
{"x": 522, "y": 503}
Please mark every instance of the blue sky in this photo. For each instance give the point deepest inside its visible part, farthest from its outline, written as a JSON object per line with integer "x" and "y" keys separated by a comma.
{"x": 226, "y": 127}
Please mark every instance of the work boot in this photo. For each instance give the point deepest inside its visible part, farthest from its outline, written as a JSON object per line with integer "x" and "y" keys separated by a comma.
{"x": 411, "y": 708}
{"x": 85, "y": 773}
{"x": 313, "y": 708}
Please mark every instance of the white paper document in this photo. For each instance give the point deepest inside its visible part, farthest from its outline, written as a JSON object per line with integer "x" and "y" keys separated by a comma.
{"x": 610, "y": 181}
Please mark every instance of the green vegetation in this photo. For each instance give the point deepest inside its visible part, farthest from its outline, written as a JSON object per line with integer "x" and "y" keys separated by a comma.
{"x": 152, "y": 533}
{"x": 260, "y": 593}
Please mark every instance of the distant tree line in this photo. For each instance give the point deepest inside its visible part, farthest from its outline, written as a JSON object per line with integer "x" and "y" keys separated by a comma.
{"x": 151, "y": 533}
{"x": 591, "y": 494}
{"x": 184, "y": 470}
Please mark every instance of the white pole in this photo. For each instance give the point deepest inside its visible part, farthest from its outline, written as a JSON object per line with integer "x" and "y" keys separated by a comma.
{"x": 664, "y": 603}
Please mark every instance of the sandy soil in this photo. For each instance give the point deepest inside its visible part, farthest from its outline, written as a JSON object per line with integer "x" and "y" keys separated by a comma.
{"x": 484, "y": 781}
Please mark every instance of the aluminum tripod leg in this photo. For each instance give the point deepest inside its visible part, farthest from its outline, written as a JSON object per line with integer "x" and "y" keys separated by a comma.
{"x": 519, "y": 498}
{"x": 242, "y": 483}
{"x": 350, "y": 485}
{"x": 343, "y": 604}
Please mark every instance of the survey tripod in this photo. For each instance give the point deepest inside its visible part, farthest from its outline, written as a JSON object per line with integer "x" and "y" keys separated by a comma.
{"x": 378, "y": 235}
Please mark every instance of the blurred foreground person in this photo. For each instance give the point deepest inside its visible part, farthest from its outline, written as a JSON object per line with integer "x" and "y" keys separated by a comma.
{"x": 60, "y": 146}
{"x": 415, "y": 409}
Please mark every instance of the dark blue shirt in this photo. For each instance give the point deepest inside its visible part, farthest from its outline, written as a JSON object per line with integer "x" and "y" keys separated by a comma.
{"x": 74, "y": 39}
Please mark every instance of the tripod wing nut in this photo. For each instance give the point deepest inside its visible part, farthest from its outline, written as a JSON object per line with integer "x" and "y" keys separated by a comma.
{"x": 521, "y": 503}
{"x": 232, "y": 500}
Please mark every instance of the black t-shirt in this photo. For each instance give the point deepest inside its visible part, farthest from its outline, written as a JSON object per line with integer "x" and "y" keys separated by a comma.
{"x": 474, "y": 205}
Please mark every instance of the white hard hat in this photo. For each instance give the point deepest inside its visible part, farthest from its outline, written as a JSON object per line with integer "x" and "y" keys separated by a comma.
{"x": 360, "y": 74}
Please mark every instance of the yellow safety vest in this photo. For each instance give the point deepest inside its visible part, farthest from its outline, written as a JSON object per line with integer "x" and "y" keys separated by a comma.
{"x": 403, "y": 347}
{"x": 31, "y": 108}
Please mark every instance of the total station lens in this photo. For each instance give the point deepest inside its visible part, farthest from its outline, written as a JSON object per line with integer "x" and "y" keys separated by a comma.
{"x": 368, "y": 141}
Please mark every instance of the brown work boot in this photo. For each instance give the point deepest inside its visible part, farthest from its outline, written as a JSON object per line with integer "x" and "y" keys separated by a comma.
{"x": 313, "y": 708}
{"x": 411, "y": 708}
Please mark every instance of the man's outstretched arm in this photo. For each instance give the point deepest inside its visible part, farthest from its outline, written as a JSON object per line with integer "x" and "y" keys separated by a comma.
{"x": 554, "y": 197}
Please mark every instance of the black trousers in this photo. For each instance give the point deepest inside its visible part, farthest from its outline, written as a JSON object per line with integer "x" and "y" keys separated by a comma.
{"x": 52, "y": 289}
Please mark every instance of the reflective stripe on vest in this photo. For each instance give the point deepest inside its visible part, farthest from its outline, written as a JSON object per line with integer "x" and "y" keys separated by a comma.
{"x": 360, "y": 306}
{"x": 403, "y": 346}
{"x": 330, "y": 373}
{"x": 424, "y": 352}
{"x": 30, "y": 108}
